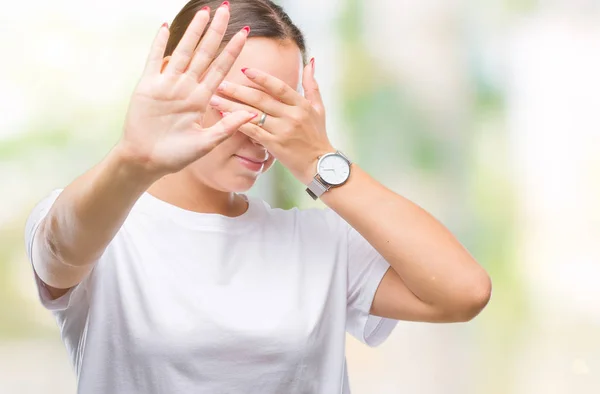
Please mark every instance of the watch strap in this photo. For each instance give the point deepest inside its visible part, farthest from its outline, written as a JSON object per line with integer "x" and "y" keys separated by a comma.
{"x": 339, "y": 152}
{"x": 316, "y": 188}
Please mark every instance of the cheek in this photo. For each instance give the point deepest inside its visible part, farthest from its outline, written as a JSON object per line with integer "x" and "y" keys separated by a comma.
{"x": 226, "y": 149}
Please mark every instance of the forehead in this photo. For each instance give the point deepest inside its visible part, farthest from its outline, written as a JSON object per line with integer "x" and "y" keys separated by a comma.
{"x": 280, "y": 58}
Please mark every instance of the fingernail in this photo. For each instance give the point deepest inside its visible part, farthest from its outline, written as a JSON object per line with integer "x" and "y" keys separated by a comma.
{"x": 165, "y": 25}
{"x": 215, "y": 101}
{"x": 249, "y": 73}
{"x": 225, "y": 4}
{"x": 222, "y": 86}
{"x": 222, "y": 114}
{"x": 312, "y": 64}
{"x": 253, "y": 115}
{"x": 247, "y": 28}
{"x": 205, "y": 8}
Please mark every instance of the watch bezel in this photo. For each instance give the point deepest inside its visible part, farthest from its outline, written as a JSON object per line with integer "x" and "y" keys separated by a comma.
{"x": 323, "y": 157}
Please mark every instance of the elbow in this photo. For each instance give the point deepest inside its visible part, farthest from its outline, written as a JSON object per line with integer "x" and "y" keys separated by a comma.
{"x": 474, "y": 298}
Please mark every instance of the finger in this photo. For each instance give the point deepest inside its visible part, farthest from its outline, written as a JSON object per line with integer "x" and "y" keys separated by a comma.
{"x": 157, "y": 51}
{"x": 209, "y": 46}
{"x": 185, "y": 49}
{"x": 227, "y": 126}
{"x": 259, "y": 134}
{"x": 224, "y": 106}
{"x": 311, "y": 87}
{"x": 273, "y": 86}
{"x": 253, "y": 97}
{"x": 222, "y": 64}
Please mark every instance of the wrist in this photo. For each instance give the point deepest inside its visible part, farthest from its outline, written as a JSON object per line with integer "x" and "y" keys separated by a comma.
{"x": 134, "y": 168}
{"x": 332, "y": 170}
{"x": 309, "y": 173}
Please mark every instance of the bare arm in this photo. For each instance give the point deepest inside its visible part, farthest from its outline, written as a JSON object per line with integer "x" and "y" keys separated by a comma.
{"x": 163, "y": 134}
{"x": 433, "y": 277}
{"x": 84, "y": 219}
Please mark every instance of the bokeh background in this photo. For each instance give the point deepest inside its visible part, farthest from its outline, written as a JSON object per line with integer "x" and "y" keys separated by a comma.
{"x": 486, "y": 113}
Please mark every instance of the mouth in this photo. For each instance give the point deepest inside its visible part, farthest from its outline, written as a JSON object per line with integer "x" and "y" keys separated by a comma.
{"x": 252, "y": 164}
{"x": 253, "y": 160}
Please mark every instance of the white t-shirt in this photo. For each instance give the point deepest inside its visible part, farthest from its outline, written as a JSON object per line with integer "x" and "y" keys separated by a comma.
{"x": 183, "y": 302}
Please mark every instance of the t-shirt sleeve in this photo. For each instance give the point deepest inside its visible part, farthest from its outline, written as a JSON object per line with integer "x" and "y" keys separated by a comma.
{"x": 34, "y": 220}
{"x": 366, "y": 268}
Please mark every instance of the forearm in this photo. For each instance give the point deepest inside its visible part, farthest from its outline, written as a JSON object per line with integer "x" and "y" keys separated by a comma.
{"x": 85, "y": 218}
{"x": 434, "y": 266}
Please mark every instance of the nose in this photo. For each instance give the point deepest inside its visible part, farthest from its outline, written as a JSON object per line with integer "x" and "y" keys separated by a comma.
{"x": 255, "y": 142}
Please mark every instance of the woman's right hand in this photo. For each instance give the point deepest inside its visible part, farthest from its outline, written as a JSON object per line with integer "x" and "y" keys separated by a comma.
{"x": 164, "y": 129}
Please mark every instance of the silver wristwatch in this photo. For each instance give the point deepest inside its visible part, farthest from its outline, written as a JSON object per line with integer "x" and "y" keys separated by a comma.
{"x": 333, "y": 170}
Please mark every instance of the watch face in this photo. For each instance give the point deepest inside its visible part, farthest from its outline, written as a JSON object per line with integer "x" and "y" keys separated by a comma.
{"x": 334, "y": 169}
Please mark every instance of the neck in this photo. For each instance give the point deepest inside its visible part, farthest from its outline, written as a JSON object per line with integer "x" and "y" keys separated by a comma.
{"x": 192, "y": 195}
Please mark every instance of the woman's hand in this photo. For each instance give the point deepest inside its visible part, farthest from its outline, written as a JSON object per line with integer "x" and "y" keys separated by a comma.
{"x": 294, "y": 130}
{"x": 164, "y": 129}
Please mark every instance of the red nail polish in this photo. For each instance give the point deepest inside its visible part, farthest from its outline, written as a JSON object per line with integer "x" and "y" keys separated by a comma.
{"x": 312, "y": 63}
{"x": 225, "y": 4}
{"x": 222, "y": 114}
{"x": 165, "y": 25}
{"x": 247, "y": 28}
{"x": 253, "y": 115}
{"x": 205, "y": 8}
{"x": 244, "y": 70}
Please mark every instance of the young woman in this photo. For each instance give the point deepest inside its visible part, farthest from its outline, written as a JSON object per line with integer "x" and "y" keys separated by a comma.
{"x": 166, "y": 278}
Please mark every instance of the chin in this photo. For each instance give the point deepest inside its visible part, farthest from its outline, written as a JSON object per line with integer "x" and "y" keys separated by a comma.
{"x": 242, "y": 181}
{"x": 231, "y": 178}
{"x": 241, "y": 184}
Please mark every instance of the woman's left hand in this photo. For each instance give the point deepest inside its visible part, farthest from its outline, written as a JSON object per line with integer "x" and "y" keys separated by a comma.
{"x": 294, "y": 130}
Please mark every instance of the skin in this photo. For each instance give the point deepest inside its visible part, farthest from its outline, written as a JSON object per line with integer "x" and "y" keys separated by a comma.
{"x": 207, "y": 185}
{"x": 178, "y": 146}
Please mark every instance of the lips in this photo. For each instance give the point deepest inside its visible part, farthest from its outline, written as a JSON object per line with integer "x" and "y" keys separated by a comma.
{"x": 253, "y": 160}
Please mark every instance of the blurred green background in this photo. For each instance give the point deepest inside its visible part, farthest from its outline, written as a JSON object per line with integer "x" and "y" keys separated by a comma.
{"x": 485, "y": 113}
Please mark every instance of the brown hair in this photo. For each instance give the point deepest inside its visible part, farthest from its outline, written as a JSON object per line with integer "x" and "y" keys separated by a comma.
{"x": 265, "y": 18}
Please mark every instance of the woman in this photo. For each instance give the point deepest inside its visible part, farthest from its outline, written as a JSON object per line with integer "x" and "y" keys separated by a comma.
{"x": 166, "y": 278}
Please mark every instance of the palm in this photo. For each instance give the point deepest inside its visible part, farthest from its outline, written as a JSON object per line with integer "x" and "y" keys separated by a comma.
{"x": 164, "y": 124}
{"x": 168, "y": 125}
